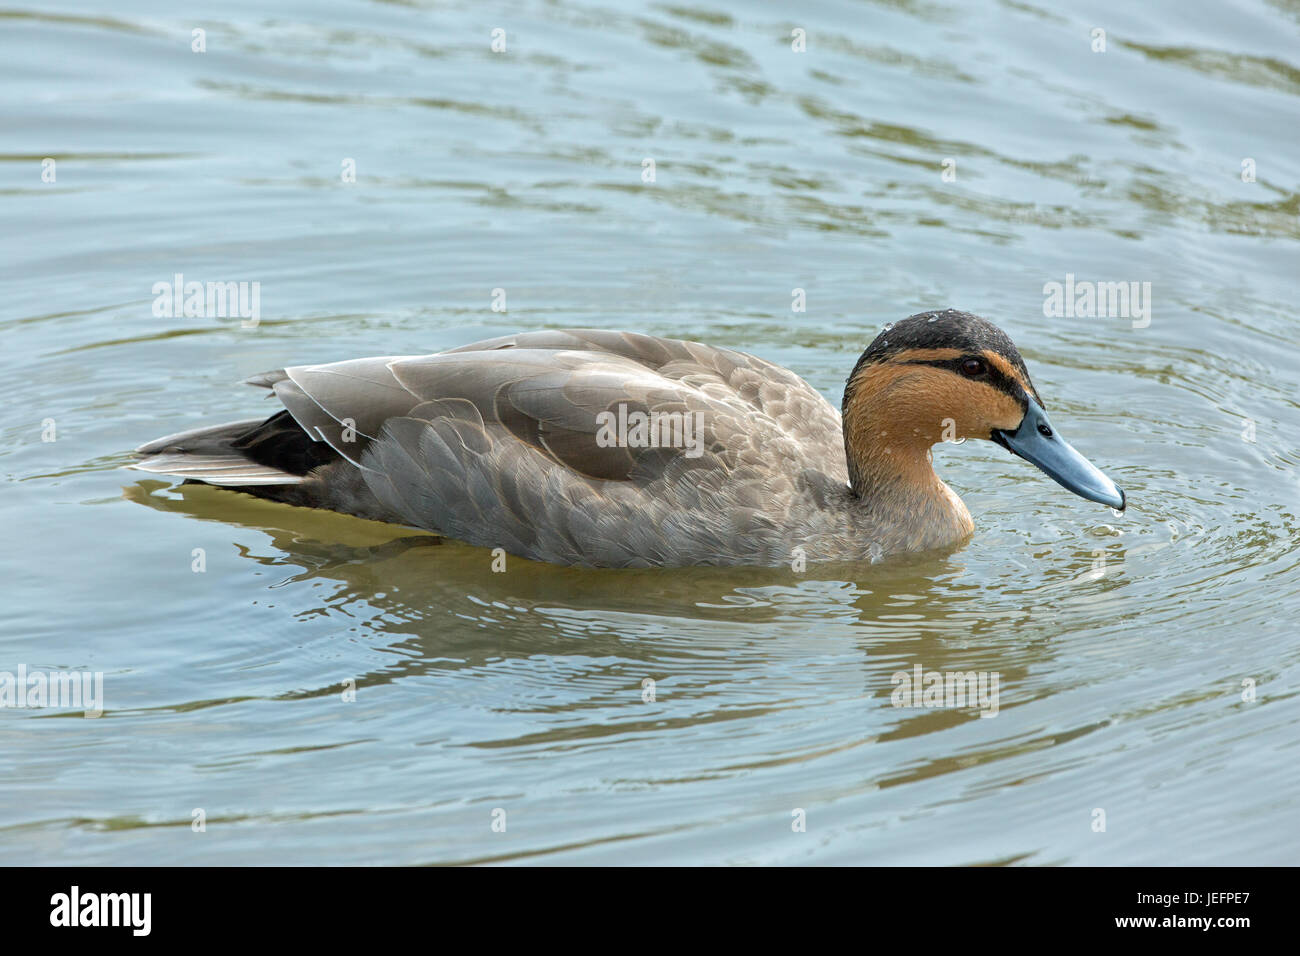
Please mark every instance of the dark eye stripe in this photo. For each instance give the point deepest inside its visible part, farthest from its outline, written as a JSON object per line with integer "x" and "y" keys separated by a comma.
{"x": 992, "y": 375}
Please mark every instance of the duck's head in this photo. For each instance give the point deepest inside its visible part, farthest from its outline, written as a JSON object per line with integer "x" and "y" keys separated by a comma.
{"x": 946, "y": 376}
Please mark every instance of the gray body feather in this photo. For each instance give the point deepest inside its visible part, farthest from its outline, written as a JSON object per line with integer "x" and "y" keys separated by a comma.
{"x": 496, "y": 444}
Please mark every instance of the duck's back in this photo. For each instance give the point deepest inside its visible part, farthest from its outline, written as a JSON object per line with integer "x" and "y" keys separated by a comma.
{"x": 579, "y": 446}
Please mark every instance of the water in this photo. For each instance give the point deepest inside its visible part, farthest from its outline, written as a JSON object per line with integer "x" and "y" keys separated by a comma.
{"x": 1125, "y": 645}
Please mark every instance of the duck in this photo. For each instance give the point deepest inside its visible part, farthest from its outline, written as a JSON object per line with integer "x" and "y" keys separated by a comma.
{"x": 607, "y": 449}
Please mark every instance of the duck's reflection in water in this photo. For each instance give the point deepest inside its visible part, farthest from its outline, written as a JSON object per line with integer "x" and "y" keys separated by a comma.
{"x": 742, "y": 640}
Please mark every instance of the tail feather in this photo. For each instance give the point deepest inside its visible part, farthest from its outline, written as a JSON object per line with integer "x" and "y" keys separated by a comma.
{"x": 248, "y": 454}
{"x": 207, "y": 440}
{"x": 227, "y": 470}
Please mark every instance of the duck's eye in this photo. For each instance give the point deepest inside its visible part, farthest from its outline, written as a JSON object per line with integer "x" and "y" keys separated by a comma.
{"x": 972, "y": 367}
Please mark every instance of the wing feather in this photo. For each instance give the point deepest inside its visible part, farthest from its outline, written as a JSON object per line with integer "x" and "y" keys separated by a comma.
{"x": 501, "y": 443}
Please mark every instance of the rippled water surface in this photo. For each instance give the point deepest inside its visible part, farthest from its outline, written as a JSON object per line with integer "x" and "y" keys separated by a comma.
{"x": 1126, "y": 647}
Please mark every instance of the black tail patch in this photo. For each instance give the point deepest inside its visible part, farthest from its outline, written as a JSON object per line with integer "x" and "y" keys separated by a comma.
{"x": 280, "y": 442}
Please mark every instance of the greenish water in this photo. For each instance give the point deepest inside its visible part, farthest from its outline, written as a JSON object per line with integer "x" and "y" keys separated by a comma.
{"x": 1121, "y": 643}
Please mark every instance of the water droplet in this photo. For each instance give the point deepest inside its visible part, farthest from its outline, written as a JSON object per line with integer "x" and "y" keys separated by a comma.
{"x": 1117, "y": 514}
{"x": 933, "y": 318}
{"x": 884, "y": 342}
{"x": 888, "y": 326}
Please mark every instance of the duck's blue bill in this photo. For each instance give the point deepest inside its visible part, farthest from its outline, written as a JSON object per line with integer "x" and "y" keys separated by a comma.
{"x": 1036, "y": 441}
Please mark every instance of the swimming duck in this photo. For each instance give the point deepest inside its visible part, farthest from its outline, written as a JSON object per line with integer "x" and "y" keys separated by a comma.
{"x": 615, "y": 449}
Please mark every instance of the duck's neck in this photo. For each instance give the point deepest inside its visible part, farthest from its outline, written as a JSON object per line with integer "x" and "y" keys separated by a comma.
{"x": 893, "y": 480}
